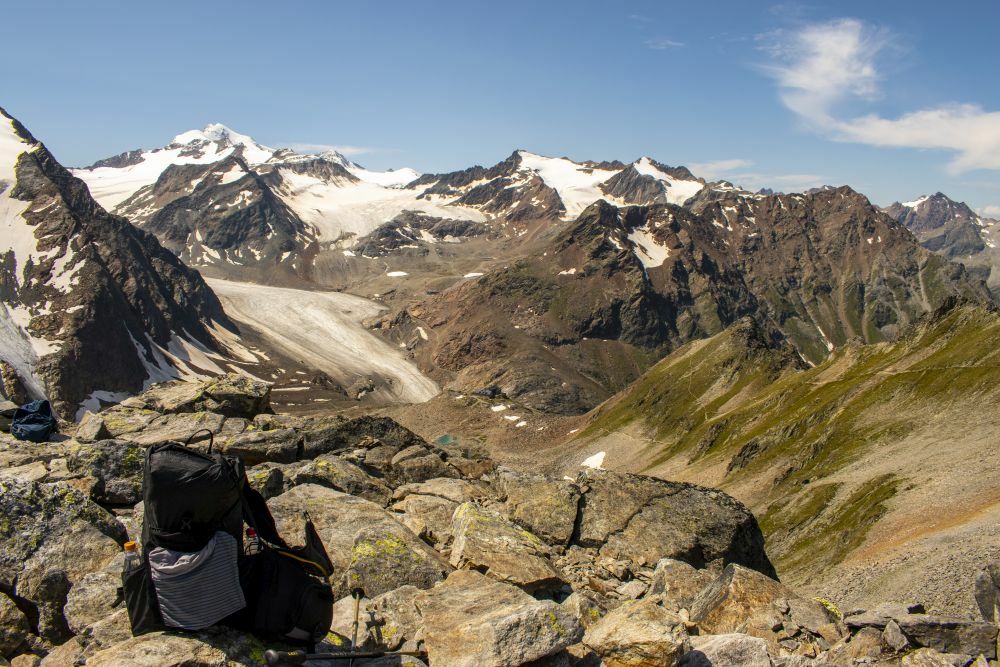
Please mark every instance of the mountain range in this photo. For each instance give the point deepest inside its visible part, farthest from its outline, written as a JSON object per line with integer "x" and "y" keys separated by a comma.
{"x": 827, "y": 362}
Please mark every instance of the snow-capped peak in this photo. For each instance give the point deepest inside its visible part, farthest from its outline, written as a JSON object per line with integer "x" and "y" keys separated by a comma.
{"x": 337, "y": 158}
{"x": 916, "y": 202}
{"x": 253, "y": 152}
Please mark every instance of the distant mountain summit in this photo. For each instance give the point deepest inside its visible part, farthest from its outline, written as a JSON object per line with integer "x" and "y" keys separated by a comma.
{"x": 954, "y": 230}
{"x": 91, "y": 308}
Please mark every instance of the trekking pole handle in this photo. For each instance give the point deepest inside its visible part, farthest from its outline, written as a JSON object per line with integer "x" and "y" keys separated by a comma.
{"x": 273, "y": 658}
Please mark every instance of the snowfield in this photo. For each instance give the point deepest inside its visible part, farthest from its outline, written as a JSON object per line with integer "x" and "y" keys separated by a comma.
{"x": 325, "y": 330}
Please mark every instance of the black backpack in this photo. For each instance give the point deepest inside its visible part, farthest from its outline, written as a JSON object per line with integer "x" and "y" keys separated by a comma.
{"x": 196, "y": 504}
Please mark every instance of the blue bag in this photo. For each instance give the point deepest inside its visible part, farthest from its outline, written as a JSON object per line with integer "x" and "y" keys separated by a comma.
{"x": 33, "y": 421}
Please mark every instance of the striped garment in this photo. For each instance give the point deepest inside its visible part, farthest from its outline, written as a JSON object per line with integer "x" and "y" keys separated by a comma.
{"x": 199, "y": 588}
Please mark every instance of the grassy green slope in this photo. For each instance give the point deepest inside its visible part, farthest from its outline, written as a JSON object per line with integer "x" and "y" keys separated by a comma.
{"x": 796, "y": 444}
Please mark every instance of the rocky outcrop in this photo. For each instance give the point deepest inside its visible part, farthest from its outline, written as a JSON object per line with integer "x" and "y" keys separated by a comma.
{"x": 742, "y": 600}
{"x": 643, "y": 519}
{"x": 442, "y": 543}
{"x": 472, "y": 621}
{"x": 101, "y": 299}
{"x": 639, "y": 634}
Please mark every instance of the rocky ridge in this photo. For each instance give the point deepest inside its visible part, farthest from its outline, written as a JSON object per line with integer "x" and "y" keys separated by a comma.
{"x": 616, "y": 289}
{"x": 92, "y": 308}
{"x": 953, "y": 230}
{"x": 463, "y": 561}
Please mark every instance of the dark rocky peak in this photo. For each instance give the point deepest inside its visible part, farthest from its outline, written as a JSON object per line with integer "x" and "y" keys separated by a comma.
{"x": 416, "y": 231}
{"x": 99, "y": 300}
{"x": 126, "y": 159}
{"x": 931, "y": 212}
{"x": 942, "y": 225}
{"x": 632, "y": 187}
{"x": 603, "y": 165}
{"x": 453, "y": 182}
{"x": 318, "y": 166}
{"x": 680, "y": 173}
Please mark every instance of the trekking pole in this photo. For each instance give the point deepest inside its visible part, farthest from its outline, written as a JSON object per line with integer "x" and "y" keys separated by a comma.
{"x": 357, "y": 593}
{"x": 277, "y": 658}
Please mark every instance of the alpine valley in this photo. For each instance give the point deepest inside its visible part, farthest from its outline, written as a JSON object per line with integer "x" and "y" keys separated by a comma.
{"x": 543, "y": 358}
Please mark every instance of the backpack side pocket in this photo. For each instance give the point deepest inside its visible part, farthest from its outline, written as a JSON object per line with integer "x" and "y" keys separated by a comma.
{"x": 140, "y": 601}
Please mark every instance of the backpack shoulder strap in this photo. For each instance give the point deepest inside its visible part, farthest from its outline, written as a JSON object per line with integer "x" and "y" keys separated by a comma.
{"x": 256, "y": 514}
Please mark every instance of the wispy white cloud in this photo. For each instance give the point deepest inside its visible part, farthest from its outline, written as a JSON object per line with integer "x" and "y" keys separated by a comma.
{"x": 823, "y": 65}
{"x": 990, "y": 211}
{"x": 718, "y": 167}
{"x": 662, "y": 43}
{"x": 342, "y": 149}
{"x": 640, "y": 18}
{"x": 738, "y": 171}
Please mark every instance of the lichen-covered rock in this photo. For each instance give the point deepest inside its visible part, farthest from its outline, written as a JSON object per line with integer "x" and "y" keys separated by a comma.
{"x": 732, "y": 650}
{"x": 456, "y": 490}
{"x": 638, "y": 634}
{"x": 95, "y": 597}
{"x": 127, "y": 418}
{"x": 427, "y": 516}
{"x": 51, "y": 537}
{"x": 68, "y": 654}
{"x": 254, "y": 447}
{"x": 336, "y": 473}
{"x": 744, "y": 600}
{"x": 399, "y": 620}
{"x": 92, "y": 428}
{"x": 473, "y": 621}
{"x": 338, "y": 518}
{"x": 160, "y": 650}
{"x": 116, "y": 465}
{"x": 546, "y": 507}
{"x": 587, "y": 606}
{"x": 237, "y": 395}
{"x": 14, "y": 627}
{"x": 388, "y": 556}
{"x": 678, "y": 582}
{"x": 928, "y": 657}
{"x": 645, "y": 519}
{"x": 419, "y": 463}
{"x": 486, "y": 541}
{"x": 173, "y": 428}
{"x": 340, "y": 434}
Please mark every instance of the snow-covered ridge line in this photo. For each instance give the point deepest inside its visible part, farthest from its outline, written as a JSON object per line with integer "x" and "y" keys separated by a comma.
{"x": 112, "y": 185}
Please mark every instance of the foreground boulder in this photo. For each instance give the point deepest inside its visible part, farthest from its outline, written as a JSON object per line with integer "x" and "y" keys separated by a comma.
{"x": 487, "y": 542}
{"x": 732, "y": 650}
{"x": 115, "y": 465}
{"x": 231, "y": 395}
{"x": 907, "y": 626}
{"x": 644, "y": 519}
{"x": 364, "y": 541}
{"x": 51, "y": 537}
{"x": 743, "y": 600}
{"x": 638, "y": 634}
{"x": 546, "y": 507}
{"x": 472, "y": 621}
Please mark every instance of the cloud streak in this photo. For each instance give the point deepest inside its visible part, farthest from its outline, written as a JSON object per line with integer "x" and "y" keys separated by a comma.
{"x": 718, "y": 167}
{"x": 822, "y": 66}
{"x": 662, "y": 44}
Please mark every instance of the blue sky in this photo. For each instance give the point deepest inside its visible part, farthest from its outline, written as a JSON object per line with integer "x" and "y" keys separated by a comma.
{"x": 893, "y": 98}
